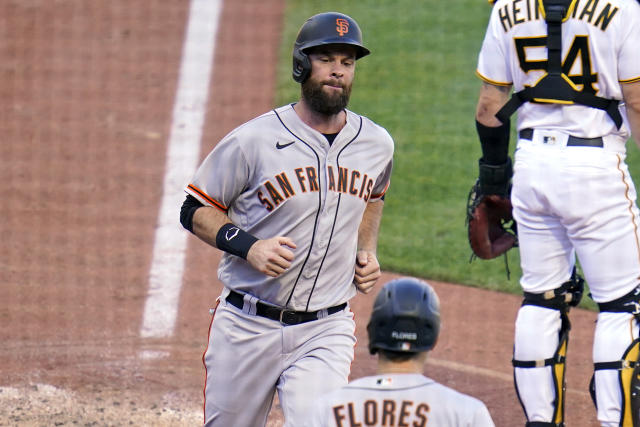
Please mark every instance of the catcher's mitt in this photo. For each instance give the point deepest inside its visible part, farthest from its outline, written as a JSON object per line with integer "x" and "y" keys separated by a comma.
{"x": 490, "y": 224}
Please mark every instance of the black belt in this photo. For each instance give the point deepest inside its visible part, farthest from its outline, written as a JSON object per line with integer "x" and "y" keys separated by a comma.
{"x": 288, "y": 317}
{"x": 573, "y": 141}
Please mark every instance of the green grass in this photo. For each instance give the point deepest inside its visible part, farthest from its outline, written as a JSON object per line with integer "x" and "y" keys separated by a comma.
{"x": 420, "y": 84}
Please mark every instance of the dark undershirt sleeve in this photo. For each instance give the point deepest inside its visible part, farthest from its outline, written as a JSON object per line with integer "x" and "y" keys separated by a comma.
{"x": 189, "y": 207}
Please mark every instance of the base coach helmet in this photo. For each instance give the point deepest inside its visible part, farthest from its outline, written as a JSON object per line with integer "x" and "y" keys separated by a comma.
{"x": 405, "y": 317}
{"x": 321, "y": 29}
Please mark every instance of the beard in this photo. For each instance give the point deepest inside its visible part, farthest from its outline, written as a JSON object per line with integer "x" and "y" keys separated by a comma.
{"x": 322, "y": 102}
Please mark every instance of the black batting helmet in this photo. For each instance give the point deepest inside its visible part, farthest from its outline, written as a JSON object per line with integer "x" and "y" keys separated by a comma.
{"x": 321, "y": 29}
{"x": 405, "y": 317}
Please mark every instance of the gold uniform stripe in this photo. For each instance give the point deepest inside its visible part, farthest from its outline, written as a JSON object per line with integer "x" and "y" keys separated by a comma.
{"x": 630, "y": 207}
{"x": 633, "y": 80}
{"x": 493, "y": 82}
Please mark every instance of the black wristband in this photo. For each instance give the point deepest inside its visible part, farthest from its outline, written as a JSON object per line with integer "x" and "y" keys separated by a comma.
{"x": 233, "y": 240}
{"x": 494, "y": 142}
{"x": 494, "y": 179}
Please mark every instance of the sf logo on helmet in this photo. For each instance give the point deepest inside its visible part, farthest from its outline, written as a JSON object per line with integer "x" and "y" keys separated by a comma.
{"x": 342, "y": 26}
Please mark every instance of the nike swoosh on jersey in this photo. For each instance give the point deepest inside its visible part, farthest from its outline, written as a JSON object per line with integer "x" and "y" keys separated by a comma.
{"x": 281, "y": 146}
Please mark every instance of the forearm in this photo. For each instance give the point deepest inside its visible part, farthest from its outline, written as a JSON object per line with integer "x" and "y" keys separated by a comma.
{"x": 270, "y": 256}
{"x": 369, "y": 227}
{"x": 494, "y": 166}
{"x": 207, "y": 221}
{"x": 634, "y": 123}
{"x": 490, "y": 101}
{"x": 631, "y": 93}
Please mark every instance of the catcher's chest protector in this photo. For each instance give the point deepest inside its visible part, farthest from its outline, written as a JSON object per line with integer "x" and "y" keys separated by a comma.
{"x": 556, "y": 87}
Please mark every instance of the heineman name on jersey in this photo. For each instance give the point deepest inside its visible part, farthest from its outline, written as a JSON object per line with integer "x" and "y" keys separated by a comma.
{"x": 594, "y": 12}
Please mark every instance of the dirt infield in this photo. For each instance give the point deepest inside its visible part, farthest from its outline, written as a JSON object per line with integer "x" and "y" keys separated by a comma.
{"x": 87, "y": 102}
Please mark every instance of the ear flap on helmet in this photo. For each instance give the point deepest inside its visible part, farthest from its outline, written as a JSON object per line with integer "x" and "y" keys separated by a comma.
{"x": 301, "y": 66}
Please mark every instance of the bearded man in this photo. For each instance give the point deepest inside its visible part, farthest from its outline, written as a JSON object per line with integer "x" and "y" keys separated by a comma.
{"x": 294, "y": 199}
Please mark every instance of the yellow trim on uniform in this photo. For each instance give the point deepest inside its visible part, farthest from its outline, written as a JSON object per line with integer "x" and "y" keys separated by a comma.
{"x": 566, "y": 16}
{"x": 633, "y": 80}
{"x": 568, "y": 80}
{"x": 552, "y": 101}
{"x": 630, "y": 206}
{"x": 559, "y": 369}
{"x": 626, "y": 376}
{"x": 556, "y": 101}
{"x": 493, "y": 82}
{"x": 565, "y": 78}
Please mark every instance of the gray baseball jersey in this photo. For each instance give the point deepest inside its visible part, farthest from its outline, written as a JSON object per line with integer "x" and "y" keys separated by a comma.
{"x": 274, "y": 175}
{"x": 399, "y": 400}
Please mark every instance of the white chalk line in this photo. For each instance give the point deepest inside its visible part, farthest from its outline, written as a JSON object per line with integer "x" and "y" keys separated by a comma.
{"x": 169, "y": 250}
{"x": 485, "y": 372}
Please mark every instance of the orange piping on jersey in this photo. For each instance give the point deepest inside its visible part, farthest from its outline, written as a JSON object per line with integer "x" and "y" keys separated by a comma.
{"x": 204, "y": 390}
{"x": 205, "y": 196}
{"x": 377, "y": 196}
{"x": 355, "y": 326}
{"x": 633, "y": 80}
{"x": 626, "y": 195}
{"x": 493, "y": 82}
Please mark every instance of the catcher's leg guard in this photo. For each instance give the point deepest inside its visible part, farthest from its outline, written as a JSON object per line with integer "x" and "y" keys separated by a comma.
{"x": 542, "y": 338}
{"x": 617, "y": 326}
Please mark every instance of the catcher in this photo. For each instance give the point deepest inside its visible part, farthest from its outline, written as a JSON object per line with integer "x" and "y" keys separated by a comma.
{"x": 576, "y": 91}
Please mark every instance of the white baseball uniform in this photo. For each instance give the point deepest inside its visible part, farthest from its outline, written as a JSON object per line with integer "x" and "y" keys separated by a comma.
{"x": 568, "y": 198}
{"x": 399, "y": 400}
{"x": 274, "y": 175}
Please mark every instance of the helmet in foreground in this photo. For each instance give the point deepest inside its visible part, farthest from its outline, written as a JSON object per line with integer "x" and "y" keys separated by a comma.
{"x": 405, "y": 317}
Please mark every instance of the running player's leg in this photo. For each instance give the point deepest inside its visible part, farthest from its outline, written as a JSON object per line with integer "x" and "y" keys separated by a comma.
{"x": 321, "y": 363}
{"x": 242, "y": 363}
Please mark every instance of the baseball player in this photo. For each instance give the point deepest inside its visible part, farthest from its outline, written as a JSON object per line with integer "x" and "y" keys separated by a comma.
{"x": 575, "y": 71}
{"x": 294, "y": 199}
{"x": 404, "y": 326}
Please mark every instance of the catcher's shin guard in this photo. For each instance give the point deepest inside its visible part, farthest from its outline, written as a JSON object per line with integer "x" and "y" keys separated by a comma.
{"x": 628, "y": 366}
{"x": 557, "y": 363}
{"x": 560, "y": 299}
{"x": 629, "y": 377}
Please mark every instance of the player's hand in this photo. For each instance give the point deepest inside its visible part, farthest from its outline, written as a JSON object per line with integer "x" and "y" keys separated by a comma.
{"x": 271, "y": 256}
{"x": 367, "y": 271}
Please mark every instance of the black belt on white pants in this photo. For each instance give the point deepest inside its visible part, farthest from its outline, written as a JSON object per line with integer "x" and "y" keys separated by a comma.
{"x": 573, "y": 141}
{"x": 287, "y": 317}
